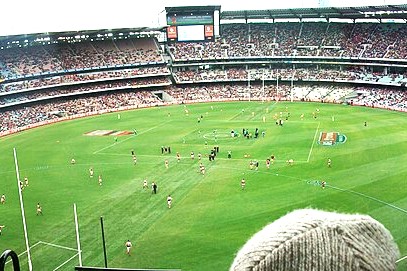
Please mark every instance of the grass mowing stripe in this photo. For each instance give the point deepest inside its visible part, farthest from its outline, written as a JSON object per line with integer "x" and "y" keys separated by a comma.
{"x": 211, "y": 216}
{"x": 369, "y": 197}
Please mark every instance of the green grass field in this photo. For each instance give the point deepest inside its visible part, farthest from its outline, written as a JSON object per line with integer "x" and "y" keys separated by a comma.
{"x": 211, "y": 217}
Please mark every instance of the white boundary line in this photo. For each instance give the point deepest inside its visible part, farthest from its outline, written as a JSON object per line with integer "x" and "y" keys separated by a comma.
{"x": 313, "y": 142}
{"x": 52, "y": 245}
{"x": 111, "y": 145}
{"x": 166, "y": 156}
{"x": 78, "y": 243}
{"x": 130, "y": 137}
{"x": 25, "y": 251}
{"x": 401, "y": 259}
{"x": 67, "y": 261}
{"x": 369, "y": 197}
{"x": 27, "y": 244}
{"x": 62, "y": 247}
{"x": 377, "y": 200}
{"x": 58, "y": 246}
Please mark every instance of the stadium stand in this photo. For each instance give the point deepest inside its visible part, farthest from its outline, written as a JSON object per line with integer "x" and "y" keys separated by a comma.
{"x": 31, "y": 60}
{"x": 360, "y": 64}
{"x": 59, "y": 77}
{"x": 370, "y": 40}
{"x": 65, "y": 79}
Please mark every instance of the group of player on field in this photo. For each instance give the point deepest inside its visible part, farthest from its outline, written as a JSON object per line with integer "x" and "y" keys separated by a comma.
{"x": 22, "y": 185}
{"x": 253, "y": 164}
{"x": 92, "y": 173}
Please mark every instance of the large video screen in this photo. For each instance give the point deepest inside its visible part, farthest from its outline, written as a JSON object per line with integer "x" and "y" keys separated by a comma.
{"x": 191, "y": 33}
{"x": 191, "y": 26}
{"x": 190, "y": 19}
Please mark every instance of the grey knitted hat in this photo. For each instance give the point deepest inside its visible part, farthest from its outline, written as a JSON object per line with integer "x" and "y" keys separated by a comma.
{"x": 322, "y": 241}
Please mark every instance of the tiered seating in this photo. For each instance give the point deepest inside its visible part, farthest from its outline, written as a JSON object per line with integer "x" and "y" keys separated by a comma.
{"x": 58, "y": 57}
{"x": 369, "y": 40}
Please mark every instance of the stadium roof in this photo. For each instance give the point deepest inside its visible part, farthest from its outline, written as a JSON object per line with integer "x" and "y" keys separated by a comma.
{"x": 372, "y": 12}
{"x": 77, "y": 35}
{"x": 367, "y": 12}
{"x": 187, "y": 9}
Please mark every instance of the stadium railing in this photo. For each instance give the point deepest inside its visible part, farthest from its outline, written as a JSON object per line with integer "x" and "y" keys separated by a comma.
{"x": 14, "y": 258}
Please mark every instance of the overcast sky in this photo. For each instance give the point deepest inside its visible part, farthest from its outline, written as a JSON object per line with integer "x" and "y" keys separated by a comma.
{"x": 39, "y": 16}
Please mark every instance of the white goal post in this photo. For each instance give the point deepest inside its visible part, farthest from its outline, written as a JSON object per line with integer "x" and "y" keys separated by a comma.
{"x": 20, "y": 194}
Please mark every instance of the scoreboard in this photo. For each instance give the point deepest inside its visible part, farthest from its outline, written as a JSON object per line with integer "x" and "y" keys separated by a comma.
{"x": 193, "y": 25}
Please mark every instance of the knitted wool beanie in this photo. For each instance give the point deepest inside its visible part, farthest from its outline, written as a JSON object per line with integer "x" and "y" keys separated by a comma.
{"x": 322, "y": 241}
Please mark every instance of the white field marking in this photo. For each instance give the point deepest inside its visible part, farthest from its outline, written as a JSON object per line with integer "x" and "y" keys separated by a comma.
{"x": 369, "y": 197}
{"x": 78, "y": 243}
{"x": 67, "y": 261}
{"x": 189, "y": 158}
{"x": 344, "y": 190}
{"x": 259, "y": 121}
{"x": 106, "y": 163}
{"x": 129, "y": 155}
{"x": 337, "y": 188}
{"x": 263, "y": 172}
{"x": 313, "y": 142}
{"x": 58, "y": 167}
{"x": 221, "y": 135}
{"x": 27, "y": 244}
{"x": 240, "y": 113}
{"x": 58, "y": 246}
{"x": 130, "y": 137}
{"x": 24, "y": 252}
{"x": 401, "y": 259}
{"x": 140, "y": 155}
{"x": 111, "y": 145}
{"x": 50, "y": 244}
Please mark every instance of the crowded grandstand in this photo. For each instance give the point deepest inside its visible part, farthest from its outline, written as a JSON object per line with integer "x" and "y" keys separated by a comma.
{"x": 243, "y": 70}
{"x": 50, "y": 77}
